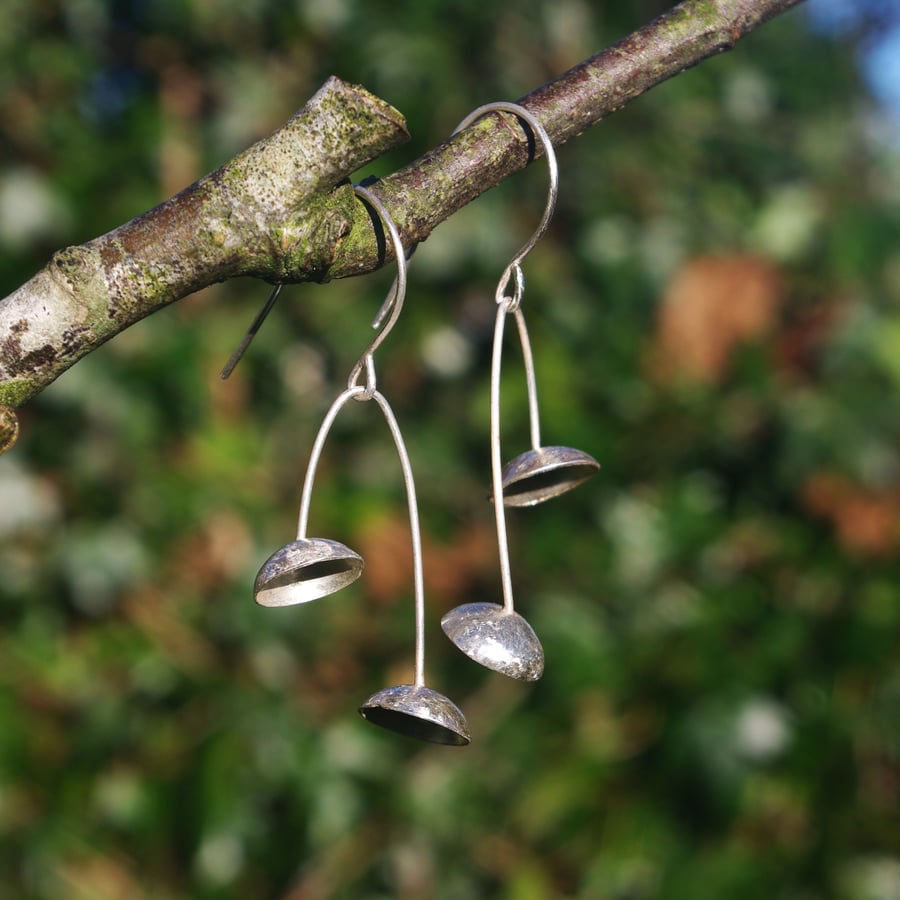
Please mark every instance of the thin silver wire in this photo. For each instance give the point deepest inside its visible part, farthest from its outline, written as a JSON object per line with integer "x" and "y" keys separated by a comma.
{"x": 360, "y": 392}
{"x": 530, "y": 380}
{"x": 418, "y": 574}
{"x": 394, "y": 304}
{"x": 496, "y": 472}
{"x": 255, "y": 325}
{"x": 392, "y": 292}
{"x": 315, "y": 454}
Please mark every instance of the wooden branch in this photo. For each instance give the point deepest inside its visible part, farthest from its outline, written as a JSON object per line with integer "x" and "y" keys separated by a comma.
{"x": 429, "y": 190}
{"x": 275, "y": 211}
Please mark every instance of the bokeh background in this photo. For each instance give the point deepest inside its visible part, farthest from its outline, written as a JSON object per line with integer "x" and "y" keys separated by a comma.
{"x": 716, "y": 317}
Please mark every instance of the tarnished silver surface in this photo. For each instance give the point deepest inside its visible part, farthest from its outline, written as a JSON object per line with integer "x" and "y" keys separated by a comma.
{"x": 499, "y": 639}
{"x": 538, "y": 475}
{"x": 305, "y": 570}
{"x": 419, "y": 712}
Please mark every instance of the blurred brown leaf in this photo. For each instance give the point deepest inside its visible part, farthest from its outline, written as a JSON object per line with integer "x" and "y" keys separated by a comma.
{"x": 160, "y": 618}
{"x": 97, "y": 877}
{"x": 215, "y": 554}
{"x": 711, "y": 306}
{"x": 451, "y": 567}
{"x": 865, "y": 523}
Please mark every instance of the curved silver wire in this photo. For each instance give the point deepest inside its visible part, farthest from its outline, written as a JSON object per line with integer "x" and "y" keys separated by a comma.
{"x": 418, "y": 575}
{"x": 315, "y": 454}
{"x": 552, "y": 191}
{"x": 385, "y": 320}
{"x": 513, "y": 304}
{"x": 393, "y": 304}
{"x": 392, "y": 292}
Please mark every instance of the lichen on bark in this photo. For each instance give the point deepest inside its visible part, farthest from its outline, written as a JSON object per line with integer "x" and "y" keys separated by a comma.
{"x": 9, "y": 428}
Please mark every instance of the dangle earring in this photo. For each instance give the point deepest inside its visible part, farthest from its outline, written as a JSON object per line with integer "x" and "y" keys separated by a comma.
{"x": 310, "y": 568}
{"x": 496, "y": 636}
{"x": 541, "y": 472}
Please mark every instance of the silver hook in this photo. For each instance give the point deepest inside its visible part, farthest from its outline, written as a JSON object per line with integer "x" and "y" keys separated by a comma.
{"x": 390, "y": 310}
{"x": 552, "y": 191}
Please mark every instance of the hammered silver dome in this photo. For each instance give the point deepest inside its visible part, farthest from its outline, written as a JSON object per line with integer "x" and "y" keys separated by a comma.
{"x": 418, "y": 712}
{"x": 496, "y": 638}
{"x": 304, "y": 570}
{"x": 538, "y": 475}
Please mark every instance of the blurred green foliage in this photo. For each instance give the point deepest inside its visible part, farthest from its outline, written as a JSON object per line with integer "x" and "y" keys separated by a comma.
{"x": 716, "y": 316}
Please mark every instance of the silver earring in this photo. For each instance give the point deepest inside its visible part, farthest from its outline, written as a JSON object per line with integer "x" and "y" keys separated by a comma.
{"x": 310, "y": 568}
{"x": 497, "y": 636}
{"x": 541, "y": 472}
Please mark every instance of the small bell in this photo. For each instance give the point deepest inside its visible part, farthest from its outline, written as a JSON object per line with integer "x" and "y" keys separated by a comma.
{"x": 304, "y": 570}
{"x": 497, "y": 638}
{"x": 537, "y": 475}
{"x": 418, "y": 712}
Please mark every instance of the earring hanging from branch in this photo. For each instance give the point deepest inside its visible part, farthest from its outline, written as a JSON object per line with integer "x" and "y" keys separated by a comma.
{"x": 497, "y": 636}
{"x": 311, "y": 568}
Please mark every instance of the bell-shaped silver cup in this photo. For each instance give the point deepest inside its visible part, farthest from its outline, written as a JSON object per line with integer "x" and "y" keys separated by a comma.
{"x": 539, "y": 474}
{"x": 417, "y": 712}
{"x": 304, "y": 570}
{"x": 497, "y": 638}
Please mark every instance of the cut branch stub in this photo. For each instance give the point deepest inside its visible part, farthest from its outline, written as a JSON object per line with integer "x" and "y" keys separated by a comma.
{"x": 252, "y": 216}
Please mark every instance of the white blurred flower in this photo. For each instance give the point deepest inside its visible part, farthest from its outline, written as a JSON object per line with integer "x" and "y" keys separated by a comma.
{"x": 29, "y": 208}
{"x": 762, "y": 730}
{"x": 447, "y": 352}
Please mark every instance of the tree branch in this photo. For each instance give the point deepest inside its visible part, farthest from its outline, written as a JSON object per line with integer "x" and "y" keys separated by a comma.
{"x": 274, "y": 211}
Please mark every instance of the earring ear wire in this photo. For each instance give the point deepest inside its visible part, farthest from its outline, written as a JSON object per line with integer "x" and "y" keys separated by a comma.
{"x": 553, "y": 189}
{"x": 390, "y": 310}
{"x": 255, "y": 325}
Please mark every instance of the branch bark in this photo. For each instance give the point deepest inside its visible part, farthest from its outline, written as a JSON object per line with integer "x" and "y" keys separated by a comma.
{"x": 279, "y": 211}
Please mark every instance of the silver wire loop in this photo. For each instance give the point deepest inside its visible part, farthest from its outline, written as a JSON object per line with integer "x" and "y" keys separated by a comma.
{"x": 387, "y": 316}
{"x": 541, "y": 133}
{"x": 511, "y": 303}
